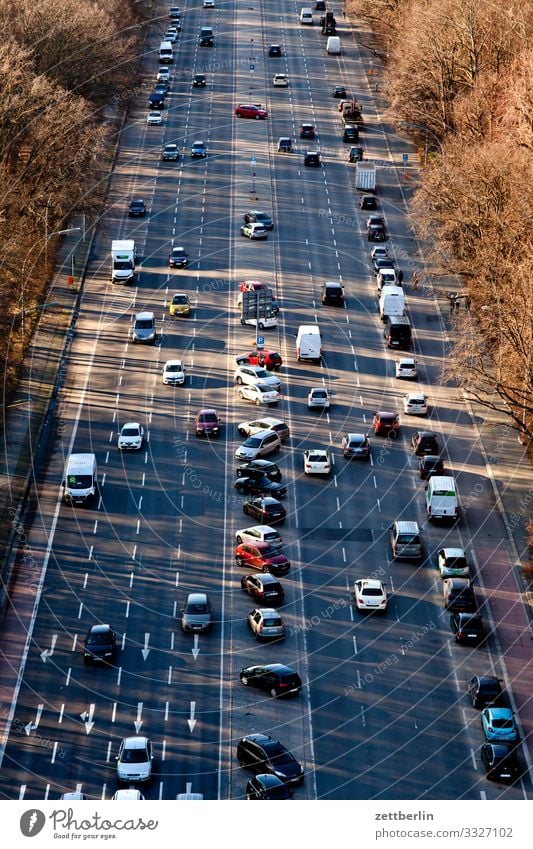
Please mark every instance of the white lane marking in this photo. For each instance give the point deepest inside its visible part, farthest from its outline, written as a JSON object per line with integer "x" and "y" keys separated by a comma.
{"x": 91, "y": 552}
{"x": 169, "y": 677}
{"x": 354, "y": 645}
{"x": 143, "y": 479}
{"x": 95, "y": 525}
{"x": 472, "y": 755}
{"x": 61, "y": 712}
{"x": 163, "y": 750}
{"x": 86, "y": 578}
{"x": 22, "y": 791}
{"x": 127, "y": 611}
{"x": 343, "y": 550}
{"x": 54, "y": 753}
{"x": 138, "y": 526}
{"x": 174, "y": 611}
{"x": 69, "y": 673}
{"x": 363, "y": 720}
{"x": 140, "y": 502}
{"x": 379, "y": 505}
{"x": 80, "y": 610}
{"x": 134, "y": 552}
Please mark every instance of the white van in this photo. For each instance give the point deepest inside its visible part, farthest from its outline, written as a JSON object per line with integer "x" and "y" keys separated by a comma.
{"x": 441, "y": 498}
{"x": 166, "y": 53}
{"x": 309, "y": 343}
{"x": 306, "y": 16}
{"x": 81, "y": 479}
{"x": 333, "y": 46}
{"x": 391, "y": 301}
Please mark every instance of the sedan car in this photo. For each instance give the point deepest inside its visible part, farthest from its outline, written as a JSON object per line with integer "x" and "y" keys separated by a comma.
{"x": 467, "y": 628}
{"x": 485, "y": 690}
{"x": 317, "y": 461}
{"x": 254, "y": 231}
{"x": 307, "y": 131}
{"x": 257, "y": 216}
{"x": 258, "y": 468}
{"x": 198, "y": 150}
{"x": 265, "y": 509}
{"x": 500, "y": 761}
{"x": 318, "y": 398}
{"x": 100, "y": 644}
{"x": 376, "y": 233}
{"x": 261, "y": 556}
{"x": 156, "y": 99}
{"x": 355, "y": 446}
{"x": 350, "y": 134}
{"x": 379, "y": 251}
{"x": 266, "y": 624}
{"x": 265, "y": 423}
{"x": 453, "y": 563}
{"x": 498, "y": 724}
{"x": 267, "y": 787}
{"x": 260, "y": 486}
{"x": 154, "y": 118}
{"x": 264, "y": 588}
{"x": 405, "y": 368}
{"x": 415, "y": 404}
{"x": 386, "y": 423}
{"x": 339, "y": 91}
{"x": 207, "y": 423}
{"x": 134, "y": 760}
{"x": 178, "y": 257}
{"x": 280, "y": 81}
{"x": 248, "y": 110}
{"x": 261, "y": 753}
{"x": 131, "y": 437}
{"x": 459, "y": 595}
{"x": 179, "y": 305}
{"x": 274, "y": 678}
{"x": 260, "y": 533}
{"x": 199, "y": 81}
{"x": 370, "y": 594}
{"x": 249, "y": 375}
{"x": 356, "y": 154}
{"x": 430, "y": 464}
{"x": 173, "y": 373}
{"x": 137, "y": 208}
{"x": 170, "y": 152}
{"x": 196, "y": 614}
{"x": 425, "y": 442}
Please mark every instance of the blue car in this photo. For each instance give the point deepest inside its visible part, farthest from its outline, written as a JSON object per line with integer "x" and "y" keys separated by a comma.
{"x": 499, "y": 725}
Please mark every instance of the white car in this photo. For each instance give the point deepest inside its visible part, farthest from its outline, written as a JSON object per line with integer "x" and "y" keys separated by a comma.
{"x": 254, "y": 231}
{"x": 259, "y": 393}
{"x": 260, "y": 533}
{"x": 248, "y": 375}
{"x": 131, "y": 437}
{"x": 280, "y": 80}
{"x": 415, "y": 404}
{"x": 173, "y": 372}
{"x": 263, "y": 323}
{"x": 171, "y": 35}
{"x": 379, "y": 251}
{"x": 318, "y": 398}
{"x": 264, "y": 423}
{"x": 317, "y": 461}
{"x": 163, "y": 75}
{"x": 370, "y": 594}
{"x": 406, "y": 368}
{"x": 129, "y": 795}
{"x": 209, "y": 4}
{"x": 154, "y": 118}
{"x": 134, "y": 760}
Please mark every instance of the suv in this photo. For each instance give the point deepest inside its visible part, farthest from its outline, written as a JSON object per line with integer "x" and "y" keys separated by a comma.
{"x": 307, "y": 131}
{"x": 144, "y": 329}
{"x": 100, "y": 644}
{"x": 273, "y": 678}
{"x": 405, "y": 540}
{"x": 196, "y": 614}
{"x": 386, "y": 424}
{"x": 312, "y": 159}
{"x": 199, "y": 81}
{"x": 251, "y": 375}
{"x": 430, "y": 464}
{"x": 263, "y": 588}
{"x": 259, "y": 468}
{"x": 206, "y": 38}
{"x": 258, "y": 445}
{"x": 207, "y": 423}
{"x": 333, "y": 294}
{"x": 137, "y": 208}
{"x": 274, "y": 50}
{"x": 459, "y": 595}
{"x": 262, "y": 753}
{"x": 261, "y": 556}
{"x": 424, "y": 442}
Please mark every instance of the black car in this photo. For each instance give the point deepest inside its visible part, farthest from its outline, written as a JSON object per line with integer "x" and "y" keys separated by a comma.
{"x": 369, "y": 202}
{"x": 500, "y": 761}
{"x": 262, "y": 753}
{"x": 340, "y": 91}
{"x": 467, "y": 628}
{"x": 274, "y": 50}
{"x": 266, "y": 509}
{"x": 312, "y": 159}
{"x": 137, "y": 208}
{"x": 307, "y": 131}
{"x": 382, "y": 262}
{"x": 376, "y": 233}
{"x": 156, "y": 100}
{"x": 255, "y": 216}
{"x": 258, "y": 485}
{"x": 178, "y": 258}
{"x": 267, "y": 786}
{"x": 199, "y": 81}
{"x": 258, "y": 468}
{"x": 273, "y": 678}
{"x": 356, "y": 154}
{"x": 430, "y": 464}
{"x": 100, "y": 644}
{"x": 425, "y": 442}
{"x": 459, "y": 596}
{"x": 333, "y": 294}
{"x": 485, "y": 691}
{"x": 350, "y": 134}
{"x": 263, "y": 588}
{"x": 285, "y": 145}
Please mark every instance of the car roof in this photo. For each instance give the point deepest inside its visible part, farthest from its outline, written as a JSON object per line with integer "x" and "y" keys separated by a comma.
{"x": 351, "y": 436}
{"x": 407, "y": 527}
{"x": 131, "y": 424}
{"x": 203, "y": 412}
{"x": 371, "y": 583}
{"x": 197, "y": 598}
{"x": 100, "y": 629}
{"x": 452, "y": 552}
{"x": 261, "y": 434}
{"x": 143, "y": 315}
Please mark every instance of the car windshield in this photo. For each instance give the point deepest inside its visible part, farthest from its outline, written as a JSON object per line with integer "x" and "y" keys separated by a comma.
{"x": 208, "y": 418}
{"x": 98, "y": 639}
{"x": 130, "y": 431}
{"x": 179, "y": 299}
{"x": 144, "y": 324}
{"x": 79, "y": 481}
{"x": 174, "y": 367}
{"x": 252, "y": 442}
{"x": 134, "y": 756}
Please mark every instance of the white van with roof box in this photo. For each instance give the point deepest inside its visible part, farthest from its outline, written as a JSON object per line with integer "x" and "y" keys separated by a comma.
{"x": 306, "y": 16}
{"x": 441, "y": 498}
{"x": 166, "y": 53}
{"x": 333, "y": 46}
{"x": 309, "y": 343}
{"x": 81, "y": 479}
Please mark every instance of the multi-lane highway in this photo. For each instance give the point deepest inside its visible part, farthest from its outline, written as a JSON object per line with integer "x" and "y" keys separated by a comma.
{"x": 383, "y": 712}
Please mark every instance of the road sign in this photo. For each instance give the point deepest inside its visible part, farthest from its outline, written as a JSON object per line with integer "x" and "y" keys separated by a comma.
{"x": 252, "y": 67}
{"x": 260, "y": 342}
{"x": 253, "y": 161}
{"x": 405, "y": 157}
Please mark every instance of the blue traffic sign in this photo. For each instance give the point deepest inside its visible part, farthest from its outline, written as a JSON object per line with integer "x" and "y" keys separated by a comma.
{"x": 405, "y": 157}
{"x": 260, "y": 340}
{"x": 252, "y": 67}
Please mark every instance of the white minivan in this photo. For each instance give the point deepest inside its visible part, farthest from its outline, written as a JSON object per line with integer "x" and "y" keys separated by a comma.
{"x": 333, "y": 46}
{"x": 306, "y": 16}
{"x": 441, "y": 498}
{"x": 309, "y": 343}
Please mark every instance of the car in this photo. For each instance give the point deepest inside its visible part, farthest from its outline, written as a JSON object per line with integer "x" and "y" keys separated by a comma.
{"x": 171, "y": 35}
{"x": 274, "y": 678}
{"x": 500, "y": 761}
{"x": 265, "y": 423}
{"x": 386, "y": 423}
{"x": 179, "y": 305}
{"x": 317, "y": 461}
{"x": 262, "y": 753}
{"x": 280, "y": 81}
{"x": 73, "y": 796}
{"x": 261, "y": 556}
{"x": 162, "y": 88}
{"x": 333, "y": 293}
{"x": 320, "y": 5}
{"x": 144, "y": 328}
{"x": 376, "y": 233}
{"x": 459, "y": 595}
{"x": 453, "y": 563}
{"x": 485, "y": 690}
{"x": 247, "y": 375}
{"x": 247, "y": 110}
{"x": 254, "y": 231}
{"x": 197, "y": 614}
{"x": 405, "y": 368}
{"x": 383, "y": 264}
{"x": 156, "y": 99}
{"x": 265, "y": 358}
{"x": 350, "y": 134}
{"x": 379, "y": 251}
{"x": 415, "y": 404}
{"x": 356, "y": 155}
{"x": 260, "y": 393}
{"x": 264, "y": 587}
{"x": 260, "y": 533}
{"x": 137, "y": 208}
{"x": 100, "y": 644}
{"x": 257, "y": 216}
{"x": 266, "y": 624}
{"x": 170, "y": 152}
{"x": 267, "y": 787}
{"x": 318, "y": 398}
{"x": 312, "y": 159}
{"x": 198, "y": 150}
{"x": 207, "y": 423}
{"x": 259, "y": 468}
{"x": 154, "y": 118}
{"x": 285, "y": 145}
{"x": 265, "y": 509}
{"x": 260, "y": 486}
{"x": 425, "y": 442}
{"x": 430, "y": 464}
{"x": 375, "y": 221}
{"x": 307, "y": 131}
{"x": 206, "y": 37}
{"x": 199, "y": 81}
{"x": 163, "y": 74}
{"x": 467, "y": 628}
{"x": 178, "y": 257}
{"x": 498, "y": 724}
{"x": 355, "y": 446}
{"x": 173, "y": 373}
{"x": 131, "y": 437}
{"x": 260, "y": 444}
{"x": 209, "y": 4}
{"x": 275, "y": 50}
{"x": 370, "y": 594}
{"x": 134, "y": 760}
{"x": 129, "y": 794}
{"x": 339, "y": 91}
{"x": 174, "y": 12}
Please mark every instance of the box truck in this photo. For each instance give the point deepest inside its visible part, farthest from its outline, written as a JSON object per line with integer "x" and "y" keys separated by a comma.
{"x": 365, "y": 176}
{"x": 391, "y": 301}
{"x": 123, "y": 256}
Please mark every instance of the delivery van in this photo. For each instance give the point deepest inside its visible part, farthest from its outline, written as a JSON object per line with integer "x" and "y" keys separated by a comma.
{"x": 166, "y": 53}
{"x": 306, "y": 16}
{"x": 391, "y": 301}
{"x": 80, "y": 483}
{"x": 398, "y": 332}
{"x": 333, "y": 46}
{"x": 441, "y": 498}
{"x": 309, "y": 343}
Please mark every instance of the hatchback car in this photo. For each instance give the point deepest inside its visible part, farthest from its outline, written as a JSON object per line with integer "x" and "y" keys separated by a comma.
{"x": 262, "y": 753}
{"x": 196, "y": 613}
{"x": 307, "y": 131}
{"x": 356, "y": 155}
{"x": 339, "y": 91}
{"x": 266, "y": 624}
{"x": 260, "y": 486}
{"x": 332, "y": 294}
{"x": 312, "y": 159}
{"x": 247, "y": 110}
{"x": 262, "y": 443}
{"x": 173, "y": 373}
{"x": 467, "y": 628}
{"x": 265, "y": 423}
{"x": 386, "y": 423}
{"x": 257, "y": 216}
{"x": 350, "y": 134}
{"x": 263, "y": 588}
{"x": 179, "y": 305}
{"x": 275, "y": 50}
{"x": 134, "y": 760}
{"x": 317, "y": 461}
{"x": 498, "y": 724}
{"x": 369, "y": 202}
{"x": 485, "y": 690}
{"x": 207, "y": 423}
{"x": 170, "y": 152}
{"x": 163, "y": 74}
{"x": 267, "y": 787}
{"x": 198, "y": 150}
{"x": 178, "y": 257}
{"x": 248, "y": 375}
{"x": 137, "y": 208}
{"x": 199, "y": 81}
{"x": 459, "y": 595}
{"x": 265, "y": 509}
{"x": 370, "y": 594}
{"x": 355, "y": 446}
{"x": 270, "y": 360}
{"x": 425, "y": 442}
{"x": 318, "y": 398}
{"x": 259, "y": 468}
{"x": 100, "y": 644}
{"x": 415, "y": 404}
{"x": 280, "y": 81}
{"x": 259, "y": 393}
{"x": 131, "y": 437}
{"x": 254, "y": 231}
{"x": 285, "y": 145}
{"x": 144, "y": 328}
{"x": 453, "y": 563}
{"x": 274, "y": 678}
{"x": 156, "y": 99}
{"x": 430, "y": 464}
{"x": 154, "y": 118}
{"x": 405, "y": 368}
{"x": 261, "y": 556}
{"x": 260, "y": 533}
{"x": 500, "y": 761}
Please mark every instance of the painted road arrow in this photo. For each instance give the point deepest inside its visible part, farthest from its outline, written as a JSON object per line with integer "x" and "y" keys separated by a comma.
{"x": 139, "y": 721}
{"x": 146, "y": 650}
{"x": 31, "y": 726}
{"x": 191, "y": 722}
{"x": 195, "y": 650}
{"x": 49, "y": 652}
{"x": 87, "y": 717}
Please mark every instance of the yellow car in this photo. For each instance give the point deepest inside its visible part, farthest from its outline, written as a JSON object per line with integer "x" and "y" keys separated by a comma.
{"x": 180, "y": 304}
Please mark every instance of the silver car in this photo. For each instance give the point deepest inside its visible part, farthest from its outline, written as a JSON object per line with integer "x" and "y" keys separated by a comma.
{"x": 144, "y": 328}
{"x": 196, "y": 614}
{"x": 266, "y": 624}
{"x": 134, "y": 760}
{"x": 260, "y": 533}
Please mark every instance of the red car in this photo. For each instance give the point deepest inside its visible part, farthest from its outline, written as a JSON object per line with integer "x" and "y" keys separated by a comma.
{"x": 386, "y": 424}
{"x": 207, "y": 423}
{"x": 260, "y": 555}
{"x": 270, "y": 360}
{"x": 246, "y": 110}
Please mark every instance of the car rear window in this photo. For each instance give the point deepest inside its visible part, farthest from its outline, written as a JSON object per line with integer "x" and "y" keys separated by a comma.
{"x": 272, "y": 623}
{"x": 408, "y": 539}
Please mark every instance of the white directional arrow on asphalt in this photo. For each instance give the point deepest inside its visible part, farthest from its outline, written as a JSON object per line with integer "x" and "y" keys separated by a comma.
{"x": 146, "y": 650}
{"x": 191, "y": 722}
{"x": 195, "y": 650}
{"x": 87, "y": 717}
{"x": 139, "y": 721}
{"x": 49, "y": 652}
{"x": 31, "y": 726}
